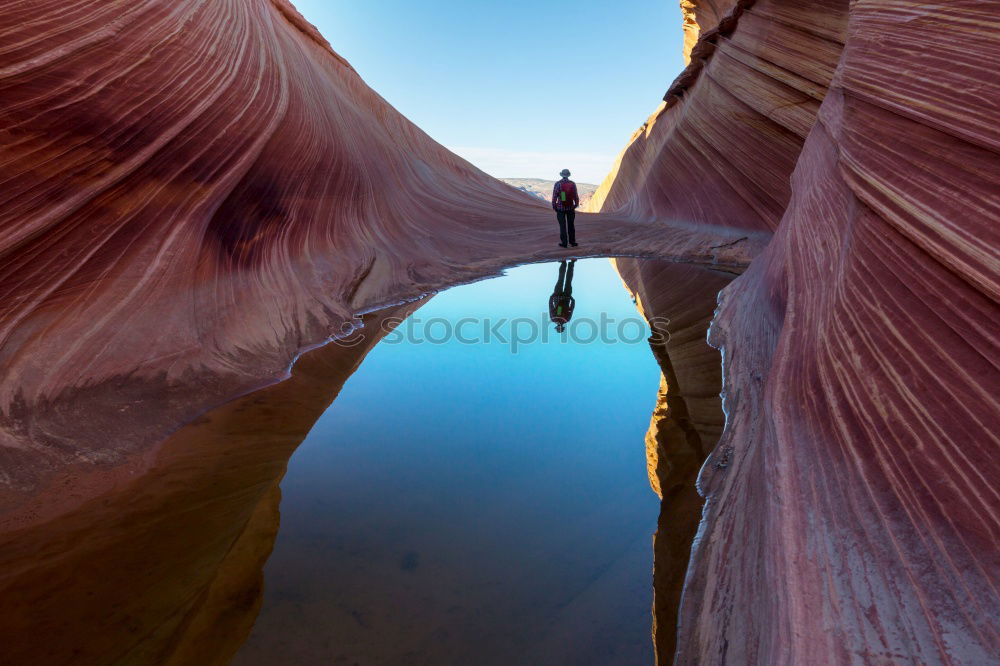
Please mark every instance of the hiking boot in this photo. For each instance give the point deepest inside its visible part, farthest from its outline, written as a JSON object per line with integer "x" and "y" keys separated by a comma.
{"x": 574, "y": 244}
{"x": 562, "y": 244}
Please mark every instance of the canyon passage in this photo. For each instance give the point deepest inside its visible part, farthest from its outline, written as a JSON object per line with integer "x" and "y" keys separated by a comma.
{"x": 199, "y": 196}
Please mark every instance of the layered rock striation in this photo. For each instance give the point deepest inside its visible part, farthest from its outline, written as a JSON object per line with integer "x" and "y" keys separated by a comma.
{"x": 851, "y": 513}
{"x": 194, "y": 192}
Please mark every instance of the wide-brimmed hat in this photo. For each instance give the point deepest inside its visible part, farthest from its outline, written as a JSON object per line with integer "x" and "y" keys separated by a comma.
{"x": 564, "y": 172}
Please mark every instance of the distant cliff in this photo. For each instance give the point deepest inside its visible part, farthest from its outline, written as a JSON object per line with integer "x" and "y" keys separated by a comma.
{"x": 543, "y": 188}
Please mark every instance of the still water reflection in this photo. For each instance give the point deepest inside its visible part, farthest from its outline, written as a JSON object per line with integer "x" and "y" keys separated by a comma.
{"x": 477, "y": 494}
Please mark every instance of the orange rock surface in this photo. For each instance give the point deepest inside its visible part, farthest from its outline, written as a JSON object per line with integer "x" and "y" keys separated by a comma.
{"x": 699, "y": 13}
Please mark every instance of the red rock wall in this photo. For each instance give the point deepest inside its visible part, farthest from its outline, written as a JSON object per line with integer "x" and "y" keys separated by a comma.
{"x": 184, "y": 209}
{"x": 852, "y": 514}
{"x": 721, "y": 153}
{"x": 196, "y": 191}
{"x": 158, "y": 149}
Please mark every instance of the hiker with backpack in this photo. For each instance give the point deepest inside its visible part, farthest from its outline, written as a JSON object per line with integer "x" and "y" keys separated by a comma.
{"x": 564, "y": 202}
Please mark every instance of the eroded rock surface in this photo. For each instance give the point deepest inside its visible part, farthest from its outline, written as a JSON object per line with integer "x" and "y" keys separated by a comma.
{"x": 196, "y": 191}
{"x": 852, "y": 511}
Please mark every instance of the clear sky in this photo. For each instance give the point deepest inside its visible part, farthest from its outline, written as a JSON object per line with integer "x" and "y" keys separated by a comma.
{"x": 520, "y": 88}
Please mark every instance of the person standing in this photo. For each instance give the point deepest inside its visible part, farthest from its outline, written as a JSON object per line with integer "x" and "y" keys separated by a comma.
{"x": 564, "y": 202}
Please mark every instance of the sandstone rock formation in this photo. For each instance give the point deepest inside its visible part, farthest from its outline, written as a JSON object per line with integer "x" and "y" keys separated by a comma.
{"x": 698, "y": 14}
{"x": 194, "y": 192}
{"x": 852, "y": 511}
{"x": 721, "y": 147}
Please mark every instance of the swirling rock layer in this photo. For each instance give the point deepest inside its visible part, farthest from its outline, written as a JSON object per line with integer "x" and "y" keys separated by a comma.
{"x": 852, "y": 511}
{"x": 721, "y": 153}
{"x": 193, "y": 192}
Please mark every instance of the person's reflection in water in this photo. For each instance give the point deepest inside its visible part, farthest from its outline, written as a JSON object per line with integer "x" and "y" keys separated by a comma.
{"x": 561, "y": 303}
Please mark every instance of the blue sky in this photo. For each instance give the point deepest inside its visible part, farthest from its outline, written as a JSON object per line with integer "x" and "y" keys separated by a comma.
{"x": 520, "y": 88}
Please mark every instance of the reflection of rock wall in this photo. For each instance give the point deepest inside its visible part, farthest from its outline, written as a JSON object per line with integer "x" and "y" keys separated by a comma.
{"x": 851, "y": 515}
{"x": 687, "y": 421}
{"x": 167, "y": 567}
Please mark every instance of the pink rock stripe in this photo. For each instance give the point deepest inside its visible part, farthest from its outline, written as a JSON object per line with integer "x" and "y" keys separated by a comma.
{"x": 194, "y": 191}
{"x": 853, "y": 514}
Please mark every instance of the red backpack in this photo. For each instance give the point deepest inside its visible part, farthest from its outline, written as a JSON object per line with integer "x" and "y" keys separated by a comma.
{"x": 566, "y": 191}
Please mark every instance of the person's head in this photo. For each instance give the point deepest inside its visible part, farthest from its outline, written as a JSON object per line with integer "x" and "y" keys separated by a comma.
{"x": 564, "y": 173}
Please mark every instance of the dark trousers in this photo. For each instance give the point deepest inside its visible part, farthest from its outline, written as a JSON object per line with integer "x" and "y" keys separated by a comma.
{"x": 566, "y": 218}
{"x": 564, "y": 283}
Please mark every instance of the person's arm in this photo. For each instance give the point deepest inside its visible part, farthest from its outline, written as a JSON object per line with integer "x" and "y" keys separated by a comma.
{"x": 576, "y": 196}
{"x": 555, "y": 195}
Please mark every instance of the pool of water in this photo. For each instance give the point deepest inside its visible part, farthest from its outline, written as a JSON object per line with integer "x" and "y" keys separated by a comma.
{"x": 477, "y": 493}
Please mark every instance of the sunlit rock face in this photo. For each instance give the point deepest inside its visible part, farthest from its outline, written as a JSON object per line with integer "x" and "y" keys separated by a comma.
{"x": 720, "y": 148}
{"x": 852, "y": 514}
{"x": 698, "y": 14}
{"x": 196, "y": 191}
